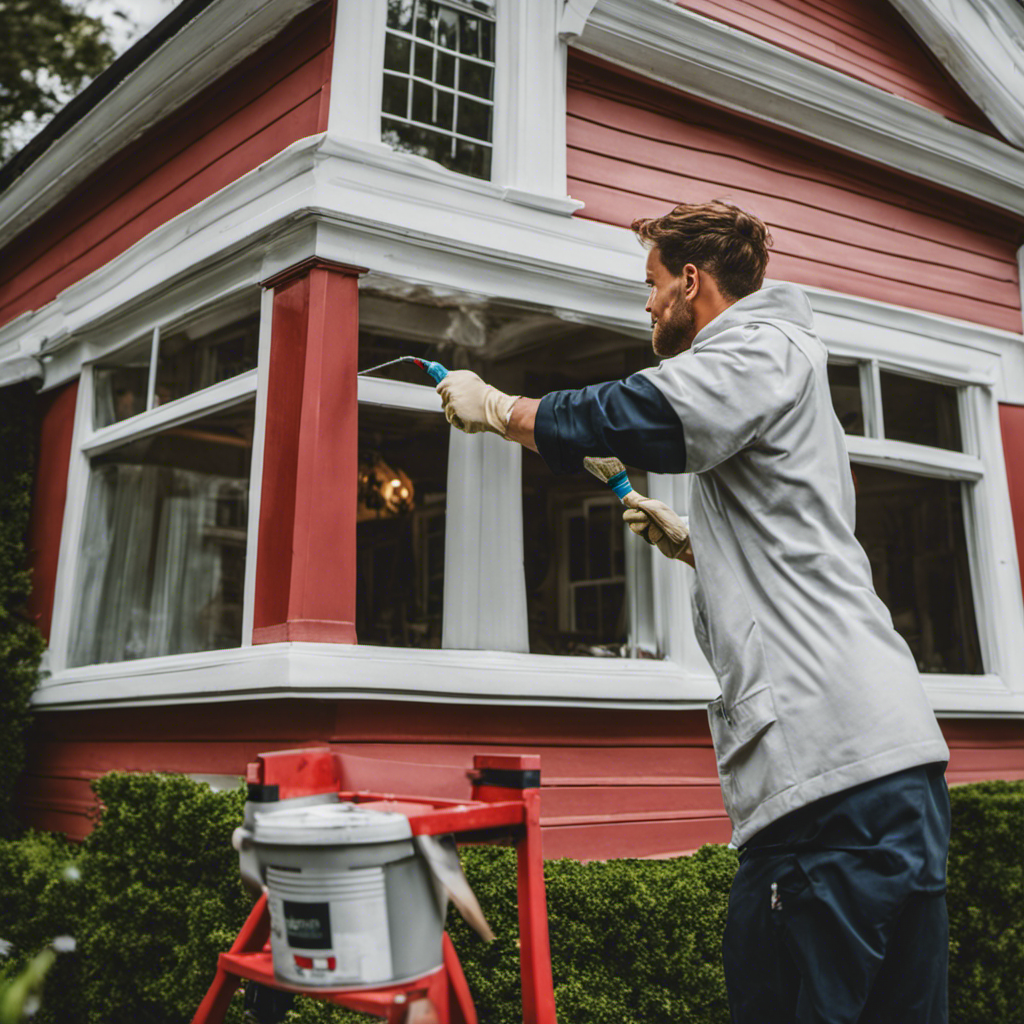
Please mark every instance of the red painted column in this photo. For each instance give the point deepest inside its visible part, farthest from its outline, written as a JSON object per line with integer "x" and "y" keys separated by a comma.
{"x": 1011, "y": 420}
{"x": 305, "y": 559}
{"x": 51, "y": 489}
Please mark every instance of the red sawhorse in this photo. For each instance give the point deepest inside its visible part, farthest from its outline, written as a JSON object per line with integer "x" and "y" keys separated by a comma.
{"x": 502, "y": 803}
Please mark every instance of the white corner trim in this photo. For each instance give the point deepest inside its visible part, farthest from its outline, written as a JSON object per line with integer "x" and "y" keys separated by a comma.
{"x": 664, "y": 42}
{"x": 216, "y": 40}
{"x": 342, "y": 671}
{"x": 574, "y": 18}
{"x": 981, "y": 44}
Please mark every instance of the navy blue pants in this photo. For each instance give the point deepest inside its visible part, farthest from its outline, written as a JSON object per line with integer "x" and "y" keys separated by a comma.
{"x": 837, "y": 914}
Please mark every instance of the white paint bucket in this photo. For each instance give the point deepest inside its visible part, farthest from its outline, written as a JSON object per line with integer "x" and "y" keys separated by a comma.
{"x": 351, "y": 902}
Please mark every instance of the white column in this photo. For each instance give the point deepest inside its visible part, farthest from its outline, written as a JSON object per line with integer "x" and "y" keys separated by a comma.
{"x": 484, "y": 582}
{"x": 672, "y": 582}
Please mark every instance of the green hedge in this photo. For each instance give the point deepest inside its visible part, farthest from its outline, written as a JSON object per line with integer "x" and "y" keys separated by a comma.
{"x": 20, "y": 642}
{"x": 632, "y": 941}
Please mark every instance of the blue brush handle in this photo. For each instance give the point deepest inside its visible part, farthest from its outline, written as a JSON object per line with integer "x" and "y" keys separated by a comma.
{"x": 436, "y": 370}
{"x": 620, "y": 484}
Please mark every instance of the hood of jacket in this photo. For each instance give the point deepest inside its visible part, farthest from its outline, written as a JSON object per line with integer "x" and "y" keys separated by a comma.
{"x": 777, "y": 302}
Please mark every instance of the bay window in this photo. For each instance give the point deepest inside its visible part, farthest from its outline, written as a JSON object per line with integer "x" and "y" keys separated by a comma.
{"x": 167, "y": 440}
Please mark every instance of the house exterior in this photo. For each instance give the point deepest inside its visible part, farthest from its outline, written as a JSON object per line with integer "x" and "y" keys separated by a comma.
{"x": 241, "y": 545}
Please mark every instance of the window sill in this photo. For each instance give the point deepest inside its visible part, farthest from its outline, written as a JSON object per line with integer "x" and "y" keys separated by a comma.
{"x": 343, "y": 672}
{"x": 340, "y": 672}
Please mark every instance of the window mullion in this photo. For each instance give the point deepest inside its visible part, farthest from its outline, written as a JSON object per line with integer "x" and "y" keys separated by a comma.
{"x": 871, "y": 390}
{"x": 154, "y": 355}
{"x": 199, "y": 403}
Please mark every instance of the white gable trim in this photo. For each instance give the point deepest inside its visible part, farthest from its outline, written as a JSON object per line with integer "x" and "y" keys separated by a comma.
{"x": 981, "y": 44}
{"x": 661, "y": 41}
{"x": 216, "y": 40}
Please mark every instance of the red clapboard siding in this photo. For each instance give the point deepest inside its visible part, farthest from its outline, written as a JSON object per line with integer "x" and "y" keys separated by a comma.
{"x": 865, "y": 39}
{"x": 273, "y": 98}
{"x": 635, "y": 149}
{"x": 57, "y": 422}
{"x": 1011, "y": 421}
{"x": 615, "y": 783}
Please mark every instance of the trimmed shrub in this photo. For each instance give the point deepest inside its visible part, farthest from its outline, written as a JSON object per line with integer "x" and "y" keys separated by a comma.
{"x": 986, "y": 904}
{"x": 632, "y": 941}
{"x": 21, "y": 644}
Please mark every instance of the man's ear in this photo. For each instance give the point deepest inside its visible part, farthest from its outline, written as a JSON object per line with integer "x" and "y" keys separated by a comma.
{"x": 691, "y": 276}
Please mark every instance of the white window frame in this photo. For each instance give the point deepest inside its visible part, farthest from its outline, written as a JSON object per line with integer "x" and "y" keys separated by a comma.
{"x": 528, "y": 128}
{"x": 89, "y": 441}
{"x": 980, "y": 468}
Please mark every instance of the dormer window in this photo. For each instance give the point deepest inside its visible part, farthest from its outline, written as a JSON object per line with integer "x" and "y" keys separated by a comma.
{"x": 438, "y": 99}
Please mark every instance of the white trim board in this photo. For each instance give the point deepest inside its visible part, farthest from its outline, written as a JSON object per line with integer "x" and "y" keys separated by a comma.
{"x": 332, "y": 199}
{"x": 981, "y": 44}
{"x": 659, "y": 40}
{"x": 343, "y": 671}
{"x": 353, "y": 672}
{"x": 216, "y": 40}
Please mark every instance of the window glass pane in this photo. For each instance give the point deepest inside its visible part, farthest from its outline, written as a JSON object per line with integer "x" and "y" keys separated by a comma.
{"x": 432, "y": 106}
{"x": 448, "y": 29}
{"x": 209, "y": 348}
{"x": 396, "y": 53}
{"x": 913, "y": 531}
{"x": 442, "y": 31}
{"x": 578, "y": 554}
{"x": 920, "y": 411}
{"x": 395, "y": 98}
{"x": 121, "y": 383}
{"x": 472, "y": 158}
{"x": 162, "y": 566}
{"x": 400, "y": 523}
{"x": 424, "y": 64}
{"x": 475, "y": 78}
{"x": 474, "y": 119}
{"x": 844, "y": 382}
{"x": 400, "y": 14}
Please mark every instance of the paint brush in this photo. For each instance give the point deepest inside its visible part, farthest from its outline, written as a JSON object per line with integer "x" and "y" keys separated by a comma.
{"x": 436, "y": 370}
{"x": 609, "y": 470}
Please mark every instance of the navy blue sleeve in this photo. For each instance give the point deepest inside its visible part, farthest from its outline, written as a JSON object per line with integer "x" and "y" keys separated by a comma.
{"x": 628, "y": 418}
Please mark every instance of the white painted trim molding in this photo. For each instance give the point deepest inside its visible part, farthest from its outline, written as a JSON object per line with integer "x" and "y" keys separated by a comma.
{"x": 660, "y": 40}
{"x": 981, "y": 44}
{"x": 216, "y": 40}
{"x": 351, "y": 671}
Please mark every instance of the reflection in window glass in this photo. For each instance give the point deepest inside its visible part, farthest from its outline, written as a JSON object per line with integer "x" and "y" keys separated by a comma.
{"x": 439, "y": 83}
{"x": 121, "y": 384}
{"x": 200, "y": 355}
{"x": 912, "y": 528}
{"x": 920, "y": 411}
{"x": 844, "y": 383}
{"x": 163, "y": 552}
{"x": 400, "y": 523}
{"x": 576, "y": 565}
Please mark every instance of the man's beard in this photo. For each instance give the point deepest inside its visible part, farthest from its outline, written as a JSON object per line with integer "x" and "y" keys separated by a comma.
{"x": 676, "y": 333}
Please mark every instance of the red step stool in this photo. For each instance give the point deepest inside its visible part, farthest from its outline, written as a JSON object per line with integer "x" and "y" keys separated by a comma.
{"x": 502, "y": 804}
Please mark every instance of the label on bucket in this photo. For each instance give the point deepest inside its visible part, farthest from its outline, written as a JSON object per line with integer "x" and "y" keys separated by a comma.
{"x": 308, "y": 925}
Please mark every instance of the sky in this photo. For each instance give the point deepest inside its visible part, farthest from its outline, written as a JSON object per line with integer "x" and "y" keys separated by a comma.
{"x": 142, "y": 16}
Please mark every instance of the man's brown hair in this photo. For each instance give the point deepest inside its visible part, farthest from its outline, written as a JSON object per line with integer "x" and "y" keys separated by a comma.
{"x": 723, "y": 240}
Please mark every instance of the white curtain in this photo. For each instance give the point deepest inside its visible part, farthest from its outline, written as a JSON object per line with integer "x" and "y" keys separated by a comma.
{"x": 150, "y": 573}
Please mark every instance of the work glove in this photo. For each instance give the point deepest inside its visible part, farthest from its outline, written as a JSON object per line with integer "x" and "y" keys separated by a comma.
{"x": 658, "y": 525}
{"x": 472, "y": 406}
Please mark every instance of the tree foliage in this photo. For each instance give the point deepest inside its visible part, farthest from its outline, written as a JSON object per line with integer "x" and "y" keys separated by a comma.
{"x": 48, "y": 50}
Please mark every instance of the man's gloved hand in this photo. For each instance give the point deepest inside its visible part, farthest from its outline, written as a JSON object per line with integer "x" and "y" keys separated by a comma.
{"x": 658, "y": 525}
{"x": 472, "y": 406}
